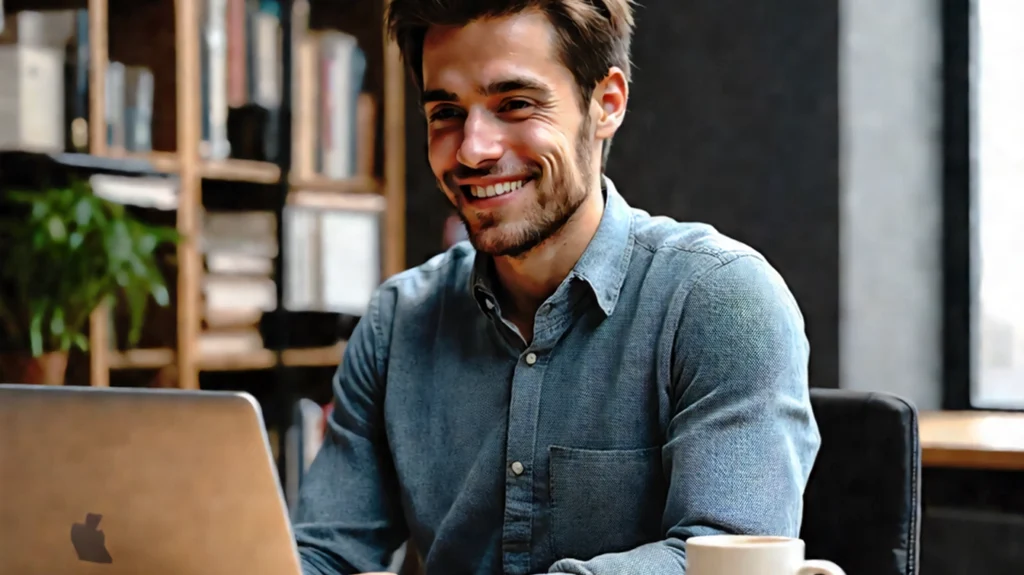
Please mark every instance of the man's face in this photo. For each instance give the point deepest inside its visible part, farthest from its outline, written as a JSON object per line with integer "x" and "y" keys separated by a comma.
{"x": 507, "y": 140}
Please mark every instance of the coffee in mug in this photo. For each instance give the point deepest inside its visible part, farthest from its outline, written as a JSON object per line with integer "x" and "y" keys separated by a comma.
{"x": 752, "y": 555}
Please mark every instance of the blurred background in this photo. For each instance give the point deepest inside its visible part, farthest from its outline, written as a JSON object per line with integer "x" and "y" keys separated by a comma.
{"x": 202, "y": 194}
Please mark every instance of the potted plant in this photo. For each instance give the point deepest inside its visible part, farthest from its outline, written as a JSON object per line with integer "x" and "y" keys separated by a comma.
{"x": 63, "y": 252}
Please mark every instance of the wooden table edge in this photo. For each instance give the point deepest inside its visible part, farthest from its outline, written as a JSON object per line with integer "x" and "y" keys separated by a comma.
{"x": 971, "y": 457}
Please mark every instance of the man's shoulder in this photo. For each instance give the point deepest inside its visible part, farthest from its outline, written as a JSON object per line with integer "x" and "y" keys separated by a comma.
{"x": 686, "y": 245}
{"x": 443, "y": 275}
{"x": 713, "y": 278}
{"x": 690, "y": 256}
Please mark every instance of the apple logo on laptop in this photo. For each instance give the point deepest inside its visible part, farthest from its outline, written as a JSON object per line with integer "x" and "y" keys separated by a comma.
{"x": 89, "y": 541}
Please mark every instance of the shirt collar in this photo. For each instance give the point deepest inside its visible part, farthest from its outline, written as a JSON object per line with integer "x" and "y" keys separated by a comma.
{"x": 602, "y": 266}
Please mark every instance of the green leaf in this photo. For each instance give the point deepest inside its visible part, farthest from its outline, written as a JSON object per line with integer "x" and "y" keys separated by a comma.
{"x": 160, "y": 295}
{"x": 36, "y": 330}
{"x": 57, "y": 322}
{"x": 83, "y": 211}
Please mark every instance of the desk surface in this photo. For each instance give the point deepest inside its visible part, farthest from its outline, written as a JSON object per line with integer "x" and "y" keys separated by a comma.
{"x": 978, "y": 440}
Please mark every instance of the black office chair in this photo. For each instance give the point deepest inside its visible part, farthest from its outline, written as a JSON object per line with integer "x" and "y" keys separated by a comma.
{"x": 862, "y": 506}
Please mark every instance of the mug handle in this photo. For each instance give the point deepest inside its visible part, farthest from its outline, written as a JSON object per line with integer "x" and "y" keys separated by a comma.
{"x": 820, "y": 568}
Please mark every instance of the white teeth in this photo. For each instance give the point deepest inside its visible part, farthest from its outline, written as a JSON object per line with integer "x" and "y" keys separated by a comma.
{"x": 496, "y": 189}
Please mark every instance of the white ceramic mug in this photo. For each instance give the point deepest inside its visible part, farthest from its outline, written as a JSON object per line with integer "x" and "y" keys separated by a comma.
{"x": 752, "y": 555}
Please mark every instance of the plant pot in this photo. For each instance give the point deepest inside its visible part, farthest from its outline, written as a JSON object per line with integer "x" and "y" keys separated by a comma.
{"x": 22, "y": 367}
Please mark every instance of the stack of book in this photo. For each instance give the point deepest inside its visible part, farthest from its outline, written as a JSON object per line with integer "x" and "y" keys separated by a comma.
{"x": 238, "y": 288}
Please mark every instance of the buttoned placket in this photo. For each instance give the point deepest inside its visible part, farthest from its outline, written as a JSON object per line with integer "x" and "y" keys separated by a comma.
{"x": 521, "y": 441}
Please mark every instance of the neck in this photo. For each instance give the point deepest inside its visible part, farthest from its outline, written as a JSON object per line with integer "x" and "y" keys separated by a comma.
{"x": 530, "y": 279}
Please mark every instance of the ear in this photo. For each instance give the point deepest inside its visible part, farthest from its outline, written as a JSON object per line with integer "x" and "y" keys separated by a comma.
{"x": 608, "y": 104}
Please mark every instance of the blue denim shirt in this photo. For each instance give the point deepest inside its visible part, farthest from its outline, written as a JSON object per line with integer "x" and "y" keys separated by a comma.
{"x": 664, "y": 395}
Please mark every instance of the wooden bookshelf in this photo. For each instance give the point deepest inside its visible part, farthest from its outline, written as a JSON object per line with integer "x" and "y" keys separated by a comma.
{"x": 99, "y": 373}
{"x": 327, "y": 356}
{"x": 262, "y": 173}
{"x": 384, "y": 191}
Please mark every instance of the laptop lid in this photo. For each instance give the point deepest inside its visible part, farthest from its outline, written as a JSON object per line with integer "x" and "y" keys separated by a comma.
{"x": 127, "y": 481}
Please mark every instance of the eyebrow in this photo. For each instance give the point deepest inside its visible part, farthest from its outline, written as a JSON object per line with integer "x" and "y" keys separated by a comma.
{"x": 499, "y": 87}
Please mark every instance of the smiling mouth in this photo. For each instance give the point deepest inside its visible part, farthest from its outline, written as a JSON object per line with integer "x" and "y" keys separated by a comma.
{"x": 495, "y": 190}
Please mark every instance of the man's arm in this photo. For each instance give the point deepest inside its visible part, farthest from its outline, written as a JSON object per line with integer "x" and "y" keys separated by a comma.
{"x": 349, "y": 519}
{"x": 743, "y": 439}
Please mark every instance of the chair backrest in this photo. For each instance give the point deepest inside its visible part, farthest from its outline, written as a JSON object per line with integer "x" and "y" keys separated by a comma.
{"x": 862, "y": 505}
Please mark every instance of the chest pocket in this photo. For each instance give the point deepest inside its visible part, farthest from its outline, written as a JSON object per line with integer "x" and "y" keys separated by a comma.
{"x": 605, "y": 501}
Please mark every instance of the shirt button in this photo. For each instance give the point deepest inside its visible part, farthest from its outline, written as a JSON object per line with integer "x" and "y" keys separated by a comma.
{"x": 517, "y": 468}
{"x": 531, "y": 358}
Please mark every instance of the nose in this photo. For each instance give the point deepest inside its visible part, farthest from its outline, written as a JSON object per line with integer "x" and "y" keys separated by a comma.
{"x": 481, "y": 140}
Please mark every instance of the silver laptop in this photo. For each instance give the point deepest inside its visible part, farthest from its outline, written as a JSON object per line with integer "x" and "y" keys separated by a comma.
{"x": 133, "y": 481}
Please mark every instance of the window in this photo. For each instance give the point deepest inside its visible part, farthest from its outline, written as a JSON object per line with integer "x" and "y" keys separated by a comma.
{"x": 984, "y": 117}
{"x": 999, "y": 156}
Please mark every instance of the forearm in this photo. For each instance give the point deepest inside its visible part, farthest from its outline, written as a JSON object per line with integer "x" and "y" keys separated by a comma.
{"x": 318, "y": 560}
{"x": 349, "y": 526}
{"x": 661, "y": 558}
{"x": 331, "y": 549}
{"x": 348, "y": 519}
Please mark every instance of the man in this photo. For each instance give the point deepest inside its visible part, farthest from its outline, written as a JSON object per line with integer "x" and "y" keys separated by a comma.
{"x": 581, "y": 387}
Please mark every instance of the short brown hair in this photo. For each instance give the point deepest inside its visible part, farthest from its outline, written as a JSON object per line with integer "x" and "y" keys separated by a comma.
{"x": 593, "y": 35}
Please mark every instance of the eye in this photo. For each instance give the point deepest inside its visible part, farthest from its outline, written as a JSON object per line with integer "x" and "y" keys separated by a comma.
{"x": 444, "y": 114}
{"x": 516, "y": 105}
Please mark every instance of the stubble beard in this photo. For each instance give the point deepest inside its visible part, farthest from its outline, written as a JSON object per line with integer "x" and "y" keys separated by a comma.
{"x": 556, "y": 201}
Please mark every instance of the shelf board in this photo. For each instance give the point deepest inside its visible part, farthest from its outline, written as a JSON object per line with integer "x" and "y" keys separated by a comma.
{"x": 141, "y": 358}
{"x": 127, "y": 165}
{"x": 260, "y": 359}
{"x": 163, "y": 161}
{"x": 354, "y": 185}
{"x": 233, "y": 170}
{"x": 169, "y": 163}
{"x": 240, "y": 171}
{"x": 228, "y": 170}
{"x": 329, "y": 356}
{"x": 337, "y": 201}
